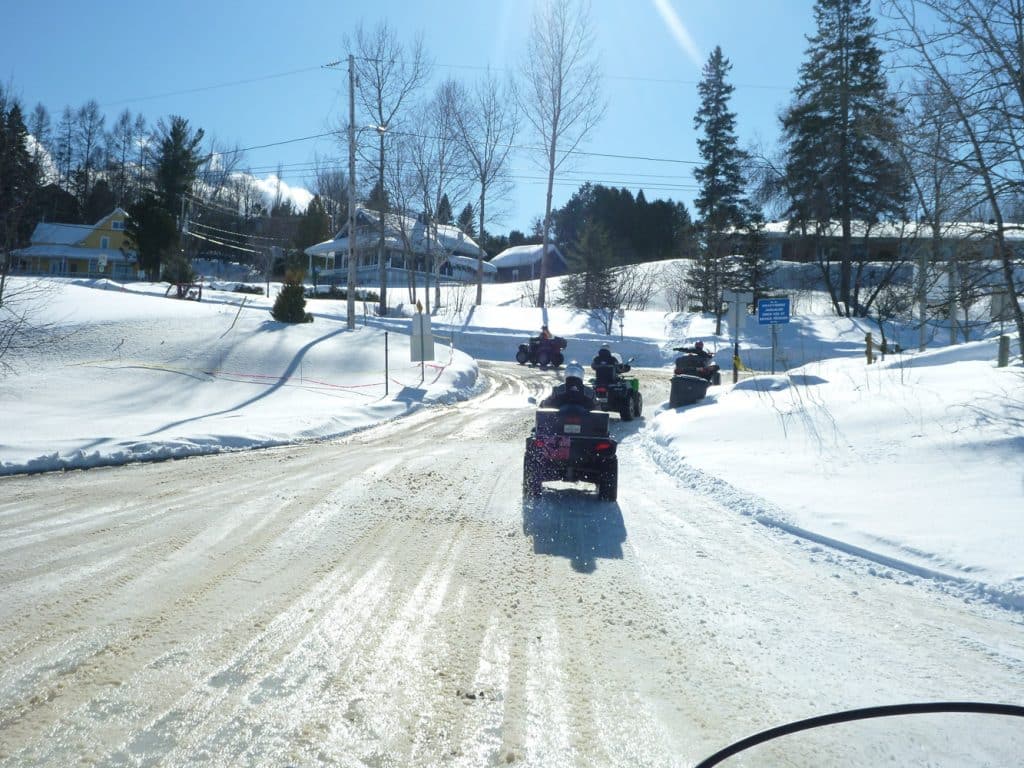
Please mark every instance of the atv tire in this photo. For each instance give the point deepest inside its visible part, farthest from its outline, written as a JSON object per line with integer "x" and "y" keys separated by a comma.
{"x": 558, "y": 359}
{"x": 531, "y": 483}
{"x": 543, "y": 358}
{"x": 716, "y": 378}
{"x": 608, "y": 487}
{"x": 626, "y": 409}
{"x": 638, "y": 405}
{"x": 522, "y": 357}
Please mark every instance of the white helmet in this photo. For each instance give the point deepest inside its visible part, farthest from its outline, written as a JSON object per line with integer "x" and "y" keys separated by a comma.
{"x": 574, "y": 371}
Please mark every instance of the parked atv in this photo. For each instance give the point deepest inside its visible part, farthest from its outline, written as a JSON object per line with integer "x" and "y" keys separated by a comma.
{"x": 695, "y": 370}
{"x": 615, "y": 392}
{"x": 542, "y": 352}
{"x": 572, "y": 444}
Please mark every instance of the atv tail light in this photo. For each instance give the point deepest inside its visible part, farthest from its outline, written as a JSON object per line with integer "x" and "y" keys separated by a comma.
{"x": 538, "y": 443}
{"x": 602, "y": 390}
{"x": 678, "y": 371}
{"x": 602, "y": 446}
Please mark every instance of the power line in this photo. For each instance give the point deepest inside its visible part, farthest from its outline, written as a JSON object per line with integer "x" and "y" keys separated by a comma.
{"x": 222, "y": 244}
{"x": 201, "y": 89}
{"x": 193, "y": 223}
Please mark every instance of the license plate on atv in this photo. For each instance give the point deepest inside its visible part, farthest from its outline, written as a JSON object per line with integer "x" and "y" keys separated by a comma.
{"x": 558, "y": 448}
{"x": 572, "y": 429}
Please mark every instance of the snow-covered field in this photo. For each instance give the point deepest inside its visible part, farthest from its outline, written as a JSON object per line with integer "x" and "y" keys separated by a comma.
{"x": 916, "y": 461}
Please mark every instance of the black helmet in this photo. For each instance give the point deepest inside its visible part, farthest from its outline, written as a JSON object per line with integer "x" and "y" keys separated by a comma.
{"x": 604, "y": 352}
{"x": 699, "y": 345}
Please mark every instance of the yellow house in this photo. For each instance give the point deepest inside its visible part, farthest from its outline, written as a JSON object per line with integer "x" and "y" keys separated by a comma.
{"x": 100, "y": 250}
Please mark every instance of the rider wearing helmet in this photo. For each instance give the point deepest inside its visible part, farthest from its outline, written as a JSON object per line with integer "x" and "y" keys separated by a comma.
{"x": 698, "y": 347}
{"x": 572, "y": 392}
{"x": 606, "y": 366}
{"x": 604, "y": 357}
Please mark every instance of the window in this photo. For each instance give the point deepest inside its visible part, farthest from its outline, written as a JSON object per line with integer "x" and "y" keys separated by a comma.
{"x": 104, "y": 242}
{"x": 117, "y": 226}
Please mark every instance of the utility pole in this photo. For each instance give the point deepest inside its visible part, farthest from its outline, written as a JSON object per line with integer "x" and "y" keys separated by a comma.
{"x": 351, "y": 293}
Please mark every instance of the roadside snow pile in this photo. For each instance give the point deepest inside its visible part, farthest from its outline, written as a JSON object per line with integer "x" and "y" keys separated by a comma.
{"x": 919, "y": 459}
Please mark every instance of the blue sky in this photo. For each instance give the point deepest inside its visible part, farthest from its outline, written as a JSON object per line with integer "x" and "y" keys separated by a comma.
{"x": 251, "y": 74}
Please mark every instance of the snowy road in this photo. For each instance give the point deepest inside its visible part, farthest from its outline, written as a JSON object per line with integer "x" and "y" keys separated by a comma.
{"x": 375, "y": 601}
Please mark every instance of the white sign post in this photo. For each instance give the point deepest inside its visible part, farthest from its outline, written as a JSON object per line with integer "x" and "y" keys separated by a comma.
{"x": 421, "y": 346}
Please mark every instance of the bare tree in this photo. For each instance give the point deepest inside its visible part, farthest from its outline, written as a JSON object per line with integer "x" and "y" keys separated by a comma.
{"x": 387, "y": 76}
{"x": 440, "y": 162}
{"x": 63, "y": 150}
{"x": 214, "y": 176}
{"x": 122, "y": 147}
{"x": 487, "y": 124}
{"x": 88, "y": 138}
{"x": 331, "y": 184}
{"x": 21, "y": 332}
{"x": 940, "y": 189}
{"x": 973, "y": 50}
{"x": 560, "y": 94}
{"x": 41, "y": 129}
{"x": 400, "y": 180}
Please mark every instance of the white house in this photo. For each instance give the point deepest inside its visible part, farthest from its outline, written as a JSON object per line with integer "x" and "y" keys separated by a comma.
{"x": 408, "y": 246}
{"x": 522, "y": 262}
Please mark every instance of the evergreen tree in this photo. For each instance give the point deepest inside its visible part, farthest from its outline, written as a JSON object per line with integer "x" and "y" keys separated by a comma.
{"x": 290, "y": 304}
{"x": 466, "y": 221}
{"x": 99, "y": 202}
{"x": 314, "y": 227}
{"x": 443, "y": 215}
{"x": 177, "y": 161}
{"x": 152, "y": 232}
{"x": 19, "y": 183}
{"x": 637, "y": 230}
{"x": 377, "y": 200}
{"x": 515, "y": 237}
{"x": 839, "y": 136}
{"x": 591, "y": 282}
{"x": 721, "y": 205}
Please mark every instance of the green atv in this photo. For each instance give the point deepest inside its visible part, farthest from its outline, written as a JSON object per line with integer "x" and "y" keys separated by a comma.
{"x": 615, "y": 392}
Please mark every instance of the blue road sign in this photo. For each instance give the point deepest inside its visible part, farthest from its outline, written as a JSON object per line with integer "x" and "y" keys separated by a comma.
{"x": 772, "y": 311}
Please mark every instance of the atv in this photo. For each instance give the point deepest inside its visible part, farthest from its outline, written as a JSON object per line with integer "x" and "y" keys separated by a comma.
{"x": 542, "y": 352}
{"x": 695, "y": 370}
{"x": 571, "y": 444}
{"x": 615, "y": 392}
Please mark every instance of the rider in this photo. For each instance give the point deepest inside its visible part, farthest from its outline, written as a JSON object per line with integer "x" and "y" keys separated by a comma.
{"x": 604, "y": 357}
{"x": 544, "y": 332}
{"x": 572, "y": 392}
{"x": 699, "y": 349}
{"x": 606, "y": 366}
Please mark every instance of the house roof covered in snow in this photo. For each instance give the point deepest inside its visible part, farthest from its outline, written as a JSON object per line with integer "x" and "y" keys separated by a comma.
{"x": 400, "y": 232}
{"x": 68, "y": 234}
{"x": 471, "y": 262}
{"x": 523, "y": 255}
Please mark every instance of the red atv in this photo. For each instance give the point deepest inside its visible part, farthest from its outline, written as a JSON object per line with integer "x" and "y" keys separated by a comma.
{"x": 571, "y": 444}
